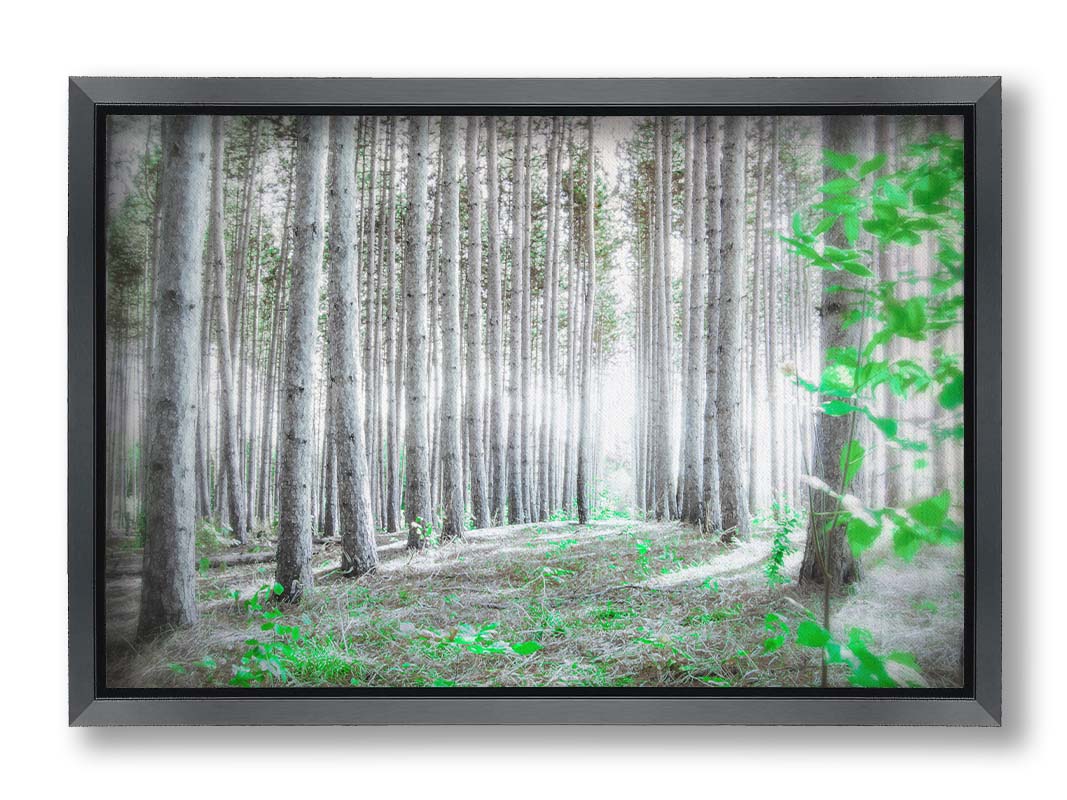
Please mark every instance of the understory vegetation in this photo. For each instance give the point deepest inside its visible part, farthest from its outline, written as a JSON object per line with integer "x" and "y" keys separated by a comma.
{"x": 615, "y": 603}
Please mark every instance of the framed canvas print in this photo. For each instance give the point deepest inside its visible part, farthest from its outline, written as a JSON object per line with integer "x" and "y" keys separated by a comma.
{"x": 535, "y": 401}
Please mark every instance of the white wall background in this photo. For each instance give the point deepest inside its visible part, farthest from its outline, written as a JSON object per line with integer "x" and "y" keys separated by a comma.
{"x": 44, "y": 42}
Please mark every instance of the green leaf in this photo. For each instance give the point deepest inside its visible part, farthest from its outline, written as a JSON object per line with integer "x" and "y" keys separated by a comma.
{"x": 278, "y": 588}
{"x": 851, "y": 225}
{"x": 837, "y": 381}
{"x": 812, "y": 634}
{"x": 526, "y": 648}
{"x": 861, "y": 535}
{"x": 842, "y": 162}
{"x": 851, "y": 459}
{"x": 895, "y": 195}
{"x": 837, "y": 408}
{"x": 873, "y": 165}
{"x": 839, "y": 186}
{"x": 887, "y": 425}
{"x": 932, "y": 512}
{"x": 824, "y": 225}
{"x": 856, "y": 268}
{"x": 906, "y": 543}
{"x": 951, "y": 395}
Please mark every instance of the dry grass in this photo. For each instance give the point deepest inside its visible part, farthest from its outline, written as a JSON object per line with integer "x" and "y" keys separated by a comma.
{"x": 618, "y": 603}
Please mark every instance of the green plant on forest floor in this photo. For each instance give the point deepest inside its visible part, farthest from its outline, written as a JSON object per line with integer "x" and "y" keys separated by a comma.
{"x": 267, "y": 662}
{"x": 865, "y": 667}
{"x": 479, "y": 640}
{"x": 786, "y": 521}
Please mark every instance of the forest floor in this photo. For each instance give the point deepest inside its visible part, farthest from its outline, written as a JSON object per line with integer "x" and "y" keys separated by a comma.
{"x": 618, "y": 602}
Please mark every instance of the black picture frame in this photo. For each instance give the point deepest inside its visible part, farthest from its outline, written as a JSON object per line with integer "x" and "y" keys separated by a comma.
{"x": 977, "y": 99}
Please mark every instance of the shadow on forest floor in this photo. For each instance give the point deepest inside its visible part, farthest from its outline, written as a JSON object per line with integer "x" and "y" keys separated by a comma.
{"x": 614, "y": 603}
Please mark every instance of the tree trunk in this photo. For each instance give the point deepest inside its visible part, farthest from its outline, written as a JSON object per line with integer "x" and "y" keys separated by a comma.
{"x": 661, "y": 300}
{"x": 295, "y": 512}
{"x": 392, "y": 336}
{"x": 231, "y": 460}
{"x": 417, "y": 502}
{"x": 273, "y": 357}
{"x": 168, "y": 587}
{"x": 451, "y": 376}
{"x": 693, "y": 427}
{"x": 712, "y": 519}
{"x": 359, "y": 552}
{"x": 732, "y": 495}
{"x": 585, "y": 413}
{"x": 828, "y": 549}
{"x": 495, "y": 332}
{"x": 516, "y": 507}
{"x": 772, "y": 321}
{"x": 476, "y": 455}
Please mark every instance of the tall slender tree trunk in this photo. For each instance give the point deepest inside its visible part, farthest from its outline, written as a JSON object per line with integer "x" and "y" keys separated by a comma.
{"x": 516, "y": 506}
{"x": 712, "y": 520}
{"x": 417, "y": 499}
{"x": 231, "y": 461}
{"x": 359, "y": 553}
{"x": 203, "y": 418}
{"x": 827, "y": 549}
{"x": 569, "y": 462}
{"x": 584, "y": 490}
{"x": 553, "y": 331}
{"x": 474, "y": 423}
{"x": 495, "y": 331}
{"x": 295, "y": 458}
{"x": 772, "y": 322}
{"x": 695, "y": 391}
{"x": 526, "y": 414}
{"x": 451, "y": 376}
{"x": 661, "y": 301}
{"x": 753, "y": 317}
{"x": 544, "y": 475}
{"x": 392, "y": 336}
{"x": 732, "y": 491}
{"x": 267, "y": 443}
{"x": 168, "y": 586}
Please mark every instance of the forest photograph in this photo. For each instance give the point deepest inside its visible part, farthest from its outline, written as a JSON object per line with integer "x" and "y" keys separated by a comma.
{"x": 463, "y": 402}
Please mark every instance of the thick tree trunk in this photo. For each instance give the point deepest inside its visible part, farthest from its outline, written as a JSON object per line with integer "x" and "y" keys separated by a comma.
{"x": 827, "y": 549}
{"x": 451, "y": 376}
{"x": 417, "y": 499}
{"x": 231, "y": 461}
{"x": 732, "y": 491}
{"x": 474, "y": 423}
{"x": 168, "y": 588}
{"x": 359, "y": 553}
{"x": 584, "y": 490}
{"x": 295, "y": 471}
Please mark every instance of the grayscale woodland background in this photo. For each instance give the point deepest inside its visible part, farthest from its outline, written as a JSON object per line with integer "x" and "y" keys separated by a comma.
{"x": 538, "y": 401}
